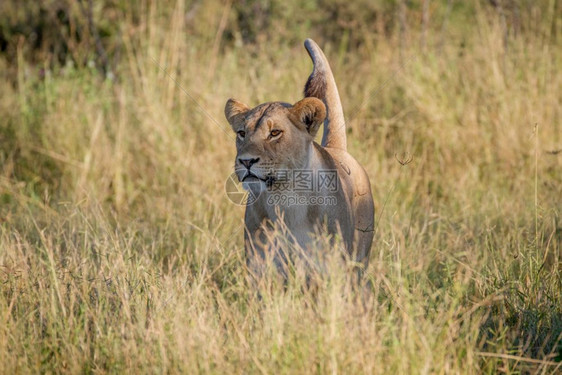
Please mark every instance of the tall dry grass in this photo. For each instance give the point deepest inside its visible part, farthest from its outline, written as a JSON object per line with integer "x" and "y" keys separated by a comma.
{"x": 120, "y": 251}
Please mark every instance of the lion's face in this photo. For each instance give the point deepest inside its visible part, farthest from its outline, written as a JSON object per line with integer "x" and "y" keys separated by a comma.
{"x": 272, "y": 138}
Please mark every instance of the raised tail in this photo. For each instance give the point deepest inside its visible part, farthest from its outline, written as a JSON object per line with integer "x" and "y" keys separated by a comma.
{"x": 321, "y": 85}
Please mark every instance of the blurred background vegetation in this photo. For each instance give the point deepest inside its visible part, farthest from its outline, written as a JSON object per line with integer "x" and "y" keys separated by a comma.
{"x": 119, "y": 249}
{"x": 44, "y": 41}
{"x": 53, "y": 33}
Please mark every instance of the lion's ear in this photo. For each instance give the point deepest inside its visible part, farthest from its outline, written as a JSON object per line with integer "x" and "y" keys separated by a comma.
{"x": 234, "y": 108}
{"x": 309, "y": 112}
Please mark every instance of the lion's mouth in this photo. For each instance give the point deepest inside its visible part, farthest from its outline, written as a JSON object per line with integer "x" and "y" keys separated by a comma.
{"x": 250, "y": 176}
{"x": 269, "y": 180}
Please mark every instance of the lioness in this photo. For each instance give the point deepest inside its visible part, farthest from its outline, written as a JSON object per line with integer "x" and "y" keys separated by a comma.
{"x": 310, "y": 187}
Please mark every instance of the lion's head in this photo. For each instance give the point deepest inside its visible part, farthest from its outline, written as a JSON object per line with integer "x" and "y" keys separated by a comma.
{"x": 273, "y": 137}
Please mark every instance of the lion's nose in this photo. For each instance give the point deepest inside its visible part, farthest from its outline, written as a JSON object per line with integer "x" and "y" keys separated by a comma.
{"x": 248, "y": 162}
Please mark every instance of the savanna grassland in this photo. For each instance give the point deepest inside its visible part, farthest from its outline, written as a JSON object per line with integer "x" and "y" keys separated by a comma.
{"x": 121, "y": 253}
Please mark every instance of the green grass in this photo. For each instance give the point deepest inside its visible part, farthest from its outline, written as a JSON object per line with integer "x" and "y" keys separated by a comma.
{"x": 120, "y": 251}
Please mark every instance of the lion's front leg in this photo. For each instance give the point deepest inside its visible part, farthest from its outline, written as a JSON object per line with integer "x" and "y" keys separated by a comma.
{"x": 265, "y": 254}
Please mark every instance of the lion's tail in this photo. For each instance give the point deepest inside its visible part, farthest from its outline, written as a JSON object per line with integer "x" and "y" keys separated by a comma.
{"x": 321, "y": 85}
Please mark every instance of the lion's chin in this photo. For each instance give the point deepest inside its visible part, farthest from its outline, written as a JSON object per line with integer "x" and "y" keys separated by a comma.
{"x": 253, "y": 185}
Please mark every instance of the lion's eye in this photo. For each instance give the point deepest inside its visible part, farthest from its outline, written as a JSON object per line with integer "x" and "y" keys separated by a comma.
{"x": 275, "y": 133}
{"x": 241, "y": 134}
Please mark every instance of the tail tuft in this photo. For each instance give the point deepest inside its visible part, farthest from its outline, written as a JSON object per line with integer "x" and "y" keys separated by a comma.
{"x": 321, "y": 85}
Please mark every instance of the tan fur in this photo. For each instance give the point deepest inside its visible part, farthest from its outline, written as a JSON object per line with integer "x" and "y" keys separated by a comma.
{"x": 275, "y": 137}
